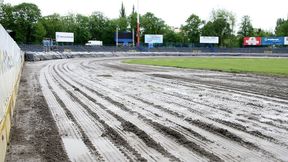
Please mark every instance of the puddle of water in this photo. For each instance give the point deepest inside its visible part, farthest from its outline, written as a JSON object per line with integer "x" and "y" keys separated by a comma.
{"x": 75, "y": 148}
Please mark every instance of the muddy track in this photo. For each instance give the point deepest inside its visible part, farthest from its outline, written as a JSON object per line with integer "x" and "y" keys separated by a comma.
{"x": 117, "y": 112}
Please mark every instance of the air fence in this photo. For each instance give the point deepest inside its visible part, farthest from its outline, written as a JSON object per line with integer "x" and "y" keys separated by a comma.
{"x": 11, "y": 62}
{"x": 36, "y": 52}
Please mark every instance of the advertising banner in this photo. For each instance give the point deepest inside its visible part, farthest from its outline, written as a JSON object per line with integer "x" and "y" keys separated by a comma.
{"x": 272, "y": 41}
{"x": 64, "y": 37}
{"x": 252, "y": 41}
{"x": 286, "y": 41}
{"x": 209, "y": 40}
{"x": 152, "y": 38}
{"x": 123, "y": 37}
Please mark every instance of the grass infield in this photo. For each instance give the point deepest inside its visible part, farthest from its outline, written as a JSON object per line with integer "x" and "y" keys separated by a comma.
{"x": 266, "y": 66}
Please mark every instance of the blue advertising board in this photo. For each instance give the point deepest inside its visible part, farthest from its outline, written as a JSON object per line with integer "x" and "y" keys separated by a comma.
{"x": 124, "y": 37}
{"x": 272, "y": 41}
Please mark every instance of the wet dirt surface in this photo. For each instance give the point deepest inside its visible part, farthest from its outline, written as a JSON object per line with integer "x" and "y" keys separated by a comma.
{"x": 34, "y": 135}
{"x": 104, "y": 110}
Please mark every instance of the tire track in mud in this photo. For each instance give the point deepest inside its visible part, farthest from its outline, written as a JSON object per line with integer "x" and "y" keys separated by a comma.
{"x": 84, "y": 137}
{"x": 143, "y": 134}
{"x": 242, "y": 142}
{"x": 280, "y": 99}
{"x": 121, "y": 105}
{"x": 244, "y": 129}
{"x": 137, "y": 115}
{"x": 252, "y": 132}
{"x": 103, "y": 146}
{"x": 67, "y": 130}
{"x": 124, "y": 108}
{"x": 110, "y": 132}
{"x": 182, "y": 116}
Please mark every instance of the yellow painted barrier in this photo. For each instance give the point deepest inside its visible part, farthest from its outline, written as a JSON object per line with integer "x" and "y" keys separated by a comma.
{"x": 11, "y": 63}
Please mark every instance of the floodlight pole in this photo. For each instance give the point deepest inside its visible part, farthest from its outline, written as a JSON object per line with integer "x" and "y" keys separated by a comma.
{"x": 138, "y": 25}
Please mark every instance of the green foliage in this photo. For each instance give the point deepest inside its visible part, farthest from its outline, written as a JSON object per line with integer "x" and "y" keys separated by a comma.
{"x": 192, "y": 28}
{"x": 152, "y": 24}
{"x": 122, "y": 11}
{"x": 122, "y": 24}
{"x": 236, "y": 65}
{"x": 225, "y": 15}
{"x": 26, "y": 16}
{"x": 246, "y": 28}
{"x": 281, "y": 27}
{"x": 170, "y": 36}
{"x": 221, "y": 24}
{"x": 52, "y": 23}
{"x": 81, "y": 29}
{"x": 22, "y": 19}
{"x": 262, "y": 33}
{"x": 40, "y": 32}
{"x": 7, "y": 18}
{"x": 30, "y": 27}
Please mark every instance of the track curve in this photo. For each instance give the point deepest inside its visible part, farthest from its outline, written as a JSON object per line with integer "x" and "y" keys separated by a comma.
{"x": 119, "y": 112}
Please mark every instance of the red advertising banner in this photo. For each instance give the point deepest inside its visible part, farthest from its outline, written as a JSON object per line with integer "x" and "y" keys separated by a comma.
{"x": 252, "y": 41}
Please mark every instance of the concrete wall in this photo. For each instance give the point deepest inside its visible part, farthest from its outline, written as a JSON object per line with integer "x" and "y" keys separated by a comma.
{"x": 11, "y": 62}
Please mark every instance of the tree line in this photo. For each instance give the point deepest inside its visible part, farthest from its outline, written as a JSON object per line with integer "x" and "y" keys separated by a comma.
{"x": 29, "y": 26}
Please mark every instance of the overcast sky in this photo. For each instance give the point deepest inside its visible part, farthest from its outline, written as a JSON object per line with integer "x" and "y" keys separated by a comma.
{"x": 174, "y": 12}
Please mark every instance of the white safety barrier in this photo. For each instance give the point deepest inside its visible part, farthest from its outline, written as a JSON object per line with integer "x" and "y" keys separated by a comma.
{"x": 11, "y": 61}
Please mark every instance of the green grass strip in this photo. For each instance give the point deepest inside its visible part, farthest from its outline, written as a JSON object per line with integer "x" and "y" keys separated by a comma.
{"x": 266, "y": 66}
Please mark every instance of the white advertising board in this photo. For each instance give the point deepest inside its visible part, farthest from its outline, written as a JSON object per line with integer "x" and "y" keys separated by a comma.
{"x": 210, "y": 40}
{"x": 64, "y": 37}
{"x": 286, "y": 41}
{"x": 152, "y": 38}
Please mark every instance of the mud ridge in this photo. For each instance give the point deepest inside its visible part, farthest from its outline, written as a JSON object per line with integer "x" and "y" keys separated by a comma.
{"x": 244, "y": 129}
{"x": 223, "y": 132}
{"x": 71, "y": 117}
{"x": 222, "y": 87}
{"x": 118, "y": 140}
{"x": 141, "y": 134}
{"x": 181, "y": 139}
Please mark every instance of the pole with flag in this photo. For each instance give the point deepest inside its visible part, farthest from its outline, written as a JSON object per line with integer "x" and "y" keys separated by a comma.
{"x": 138, "y": 25}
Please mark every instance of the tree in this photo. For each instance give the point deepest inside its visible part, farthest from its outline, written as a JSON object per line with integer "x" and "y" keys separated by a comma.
{"x": 225, "y": 15}
{"x": 52, "y": 24}
{"x": 262, "y": 33}
{"x": 208, "y": 29}
{"x": 39, "y": 33}
{"x": 192, "y": 28}
{"x": 26, "y": 16}
{"x": 122, "y": 24}
{"x": 1, "y": 10}
{"x": 122, "y": 21}
{"x": 97, "y": 22}
{"x": 7, "y": 19}
{"x": 108, "y": 32}
{"x": 152, "y": 24}
{"x": 281, "y": 27}
{"x": 220, "y": 28}
{"x": 132, "y": 19}
{"x": 246, "y": 28}
{"x": 122, "y": 11}
{"x": 170, "y": 36}
{"x": 221, "y": 24}
{"x": 82, "y": 33}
